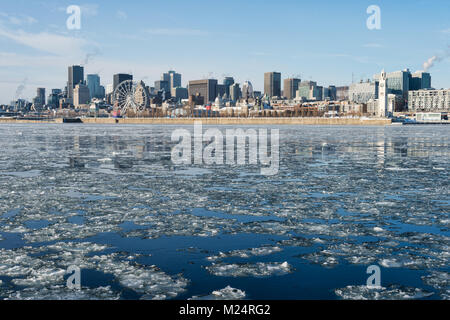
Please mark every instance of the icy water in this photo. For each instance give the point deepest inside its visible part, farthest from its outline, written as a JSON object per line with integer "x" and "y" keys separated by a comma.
{"x": 108, "y": 200}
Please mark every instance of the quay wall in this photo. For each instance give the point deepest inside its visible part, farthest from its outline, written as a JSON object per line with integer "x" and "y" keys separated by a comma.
{"x": 221, "y": 121}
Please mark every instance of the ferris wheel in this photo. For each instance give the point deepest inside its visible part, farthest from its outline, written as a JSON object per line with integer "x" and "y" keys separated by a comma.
{"x": 131, "y": 96}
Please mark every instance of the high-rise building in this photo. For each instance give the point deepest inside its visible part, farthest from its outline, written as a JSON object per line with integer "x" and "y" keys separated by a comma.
{"x": 247, "y": 90}
{"x": 227, "y": 82}
{"x": 162, "y": 85}
{"x": 272, "y": 84}
{"x": 93, "y": 83}
{"x": 308, "y": 90}
{"x": 290, "y": 87}
{"x": 204, "y": 88}
{"x": 119, "y": 78}
{"x": 41, "y": 96}
{"x": 172, "y": 78}
{"x": 332, "y": 92}
{"x": 179, "y": 93}
{"x": 362, "y": 92}
{"x": 81, "y": 95}
{"x": 235, "y": 92}
{"x": 398, "y": 82}
{"x": 420, "y": 80}
{"x": 53, "y": 98}
{"x": 342, "y": 93}
{"x": 76, "y": 76}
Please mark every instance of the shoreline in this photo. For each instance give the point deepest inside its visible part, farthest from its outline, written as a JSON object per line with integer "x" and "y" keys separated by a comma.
{"x": 218, "y": 121}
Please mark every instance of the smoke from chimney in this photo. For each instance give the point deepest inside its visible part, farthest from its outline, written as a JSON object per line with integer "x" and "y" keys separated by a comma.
{"x": 437, "y": 58}
{"x": 21, "y": 88}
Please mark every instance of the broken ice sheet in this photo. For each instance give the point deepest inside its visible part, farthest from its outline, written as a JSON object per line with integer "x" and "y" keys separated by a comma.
{"x": 259, "y": 269}
{"x": 439, "y": 280}
{"x": 61, "y": 293}
{"x": 246, "y": 253}
{"x": 390, "y": 293}
{"x": 46, "y": 272}
{"x": 227, "y": 293}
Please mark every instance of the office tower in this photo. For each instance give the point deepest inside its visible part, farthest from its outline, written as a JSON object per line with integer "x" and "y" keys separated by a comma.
{"x": 81, "y": 95}
{"x": 382, "y": 94}
{"x": 235, "y": 92}
{"x": 76, "y": 76}
{"x": 93, "y": 83}
{"x": 398, "y": 82}
{"x": 272, "y": 84}
{"x": 332, "y": 92}
{"x": 362, "y": 92}
{"x": 342, "y": 93}
{"x": 119, "y": 78}
{"x": 290, "y": 87}
{"x": 221, "y": 90}
{"x": 172, "y": 78}
{"x": 227, "y": 82}
{"x": 204, "y": 88}
{"x": 179, "y": 93}
{"x": 247, "y": 90}
{"x": 308, "y": 90}
{"x": 162, "y": 85}
{"x": 420, "y": 80}
{"x": 41, "y": 96}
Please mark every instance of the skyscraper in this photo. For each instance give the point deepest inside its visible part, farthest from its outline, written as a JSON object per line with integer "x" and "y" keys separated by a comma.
{"x": 272, "y": 84}
{"x": 93, "y": 83}
{"x": 227, "y": 82}
{"x": 41, "y": 96}
{"x": 119, "y": 78}
{"x": 290, "y": 87}
{"x": 247, "y": 90}
{"x": 81, "y": 95}
{"x": 162, "y": 85}
{"x": 172, "y": 78}
{"x": 76, "y": 76}
{"x": 420, "y": 80}
{"x": 235, "y": 92}
{"x": 204, "y": 88}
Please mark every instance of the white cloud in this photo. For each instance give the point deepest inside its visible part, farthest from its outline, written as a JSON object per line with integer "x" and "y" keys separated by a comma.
{"x": 19, "y": 20}
{"x": 47, "y": 42}
{"x": 176, "y": 32}
{"x": 446, "y": 31}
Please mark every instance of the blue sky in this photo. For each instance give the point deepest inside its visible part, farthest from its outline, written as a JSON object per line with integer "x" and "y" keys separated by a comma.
{"x": 325, "y": 41}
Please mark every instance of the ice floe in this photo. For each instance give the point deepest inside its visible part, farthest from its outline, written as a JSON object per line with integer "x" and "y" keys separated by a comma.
{"x": 390, "y": 293}
{"x": 260, "y": 269}
{"x": 227, "y": 293}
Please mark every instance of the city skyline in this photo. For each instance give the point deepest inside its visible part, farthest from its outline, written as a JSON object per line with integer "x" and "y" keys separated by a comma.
{"x": 35, "y": 53}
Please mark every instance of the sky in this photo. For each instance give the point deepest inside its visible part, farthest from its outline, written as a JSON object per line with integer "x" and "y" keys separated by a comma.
{"x": 325, "y": 41}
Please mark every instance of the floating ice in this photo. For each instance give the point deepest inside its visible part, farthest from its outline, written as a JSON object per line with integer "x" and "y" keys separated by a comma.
{"x": 227, "y": 293}
{"x": 390, "y": 293}
{"x": 62, "y": 293}
{"x": 246, "y": 253}
{"x": 260, "y": 269}
{"x": 439, "y": 280}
